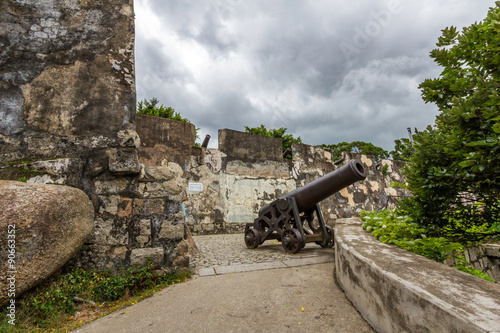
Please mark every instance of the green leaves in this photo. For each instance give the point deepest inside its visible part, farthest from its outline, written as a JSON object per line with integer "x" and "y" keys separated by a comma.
{"x": 402, "y": 149}
{"x": 449, "y": 36}
{"x": 151, "y": 108}
{"x": 365, "y": 148}
{"x": 286, "y": 139}
{"x": 456, "y": 162}
{"x": 394, "y": 227}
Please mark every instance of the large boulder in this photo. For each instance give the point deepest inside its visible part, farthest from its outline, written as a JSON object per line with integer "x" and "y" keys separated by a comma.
{"x": 42, "y": 227}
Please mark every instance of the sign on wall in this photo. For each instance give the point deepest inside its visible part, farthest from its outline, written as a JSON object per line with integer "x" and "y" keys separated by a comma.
{"x": 195, "y": 187}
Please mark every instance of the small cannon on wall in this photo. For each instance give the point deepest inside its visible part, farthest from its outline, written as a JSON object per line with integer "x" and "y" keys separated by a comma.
{"x": 285, "y": 218}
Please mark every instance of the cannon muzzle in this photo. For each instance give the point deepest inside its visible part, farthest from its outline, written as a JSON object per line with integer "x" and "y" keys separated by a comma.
{"x": 309, "y": 195}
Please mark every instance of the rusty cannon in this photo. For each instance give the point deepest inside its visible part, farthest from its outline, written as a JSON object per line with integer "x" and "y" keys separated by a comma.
{"x": 285, "y": 218}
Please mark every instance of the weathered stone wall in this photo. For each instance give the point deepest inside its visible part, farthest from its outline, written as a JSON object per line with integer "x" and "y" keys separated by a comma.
{"x": 248, "y": 171}
{"x": 165, "y": 141}
{"x": 67, "y": 116}
{"x": 66, "y": 77}
{"x": 67, "y": 110}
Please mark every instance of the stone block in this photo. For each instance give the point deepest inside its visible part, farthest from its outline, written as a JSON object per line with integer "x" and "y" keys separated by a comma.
{"x": 171, "y": 231}
{"x": 146, "y": 207}
{"x": 70, "y": 169}
{"x": 138, "y": 257}
{"x": 114, "y": 186}
{"x": 124, "y": 161}
{"x": 208, "y": 227}
{"x": 109, "y": 232}
{"x": 129, "y": 138}
{"x": 159, "y": 173}
{"x": 125, "y": 208}
{"x": 492, "y": 250}
{"x": 109, "y": 204}
{"x": 143, "y": 238}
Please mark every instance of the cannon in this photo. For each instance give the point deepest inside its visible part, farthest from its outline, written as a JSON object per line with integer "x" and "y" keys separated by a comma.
{"x": 285, "y": 218}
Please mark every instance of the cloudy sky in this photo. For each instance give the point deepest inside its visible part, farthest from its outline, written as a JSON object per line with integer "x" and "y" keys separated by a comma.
{"x": 328, "y": 70}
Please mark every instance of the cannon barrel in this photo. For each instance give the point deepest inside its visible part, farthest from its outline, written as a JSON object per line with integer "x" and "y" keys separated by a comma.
{"x": 309, "y": 195}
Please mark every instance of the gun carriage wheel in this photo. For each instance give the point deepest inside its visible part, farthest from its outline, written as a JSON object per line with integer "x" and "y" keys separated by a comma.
{"x": 329, "y": 239}
{"x": 252, "y": 238}
{"x": 292, "y": 241}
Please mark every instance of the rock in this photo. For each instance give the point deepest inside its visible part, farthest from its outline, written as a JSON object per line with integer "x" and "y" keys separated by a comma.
{"x": 181, "y": 262}
{"x": 43, "y": 227}
{"x": 129, "y": 138}
{"x": 182, "y": 248}
{"x": 124, "y": 161}
{"x": 138, "y": 257}
{"x": 171, "y": 231}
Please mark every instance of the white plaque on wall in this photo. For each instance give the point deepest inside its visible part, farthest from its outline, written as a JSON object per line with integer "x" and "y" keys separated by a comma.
{"x": 195, "y": 187}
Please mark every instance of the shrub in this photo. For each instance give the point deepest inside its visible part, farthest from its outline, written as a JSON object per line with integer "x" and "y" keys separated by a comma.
{"x": 394, "y": 227}
{"x": 453, "y": 174}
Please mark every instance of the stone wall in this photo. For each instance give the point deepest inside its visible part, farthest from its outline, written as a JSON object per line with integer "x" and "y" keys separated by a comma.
{"x": 248, "y": 171}
{"x": 399, "y": 291}
{"x": 485, "y": 258}
{"x": 67, "y": 116}
{"x": 66, "y": 77}
{"x": 67, "y": 110}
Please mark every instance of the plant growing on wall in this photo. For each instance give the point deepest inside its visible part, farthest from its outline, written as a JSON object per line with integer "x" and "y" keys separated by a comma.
{"x": 152, "y": 108}
{"x": 361, "y": 147}
{"x": 286, "y": 139}
{"x": 454, "y": 174}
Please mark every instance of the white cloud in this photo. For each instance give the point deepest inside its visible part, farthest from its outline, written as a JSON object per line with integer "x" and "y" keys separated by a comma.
{"x": 282, "y": 63}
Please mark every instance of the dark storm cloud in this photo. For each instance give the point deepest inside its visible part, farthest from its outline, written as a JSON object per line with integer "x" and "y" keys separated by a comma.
{"x": 329, "y": 71}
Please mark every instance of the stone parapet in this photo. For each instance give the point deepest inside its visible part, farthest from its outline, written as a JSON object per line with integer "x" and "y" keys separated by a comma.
{"x": 249, "y": 147}
{"x": 164, "y": 140}
{"x": 398, "y": 291}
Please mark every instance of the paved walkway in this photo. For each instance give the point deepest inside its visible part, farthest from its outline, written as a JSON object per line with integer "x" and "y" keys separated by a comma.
{"x": 222, "y": 254}
{"x": 237, "y": 291}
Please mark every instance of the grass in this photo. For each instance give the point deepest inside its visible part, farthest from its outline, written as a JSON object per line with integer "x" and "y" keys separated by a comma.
{"x": 54, "y": 306}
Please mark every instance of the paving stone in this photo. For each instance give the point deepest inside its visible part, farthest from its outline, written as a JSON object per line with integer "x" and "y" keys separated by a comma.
{"x": 206, "y": 271}
{"x": 229, "y": 254}
{"x": 249, "y": 267}
{"x": 309, "y": 261}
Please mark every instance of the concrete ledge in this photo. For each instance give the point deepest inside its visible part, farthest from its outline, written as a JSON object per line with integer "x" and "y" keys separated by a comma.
{"x": 398, "y": 291}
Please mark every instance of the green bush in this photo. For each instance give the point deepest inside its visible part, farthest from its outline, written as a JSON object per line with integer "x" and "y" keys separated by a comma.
{"x": 286, "y": 139}
{"x": 394, "y": 227}
{"x": 152, "y": 108}
{"x": 453, "y": 174}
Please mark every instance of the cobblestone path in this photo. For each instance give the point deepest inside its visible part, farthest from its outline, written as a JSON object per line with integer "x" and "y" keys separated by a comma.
{"x": 228, "y": 254}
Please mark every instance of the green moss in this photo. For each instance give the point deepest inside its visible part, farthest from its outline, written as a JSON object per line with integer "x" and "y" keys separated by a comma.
{"x": 18, "y": 171}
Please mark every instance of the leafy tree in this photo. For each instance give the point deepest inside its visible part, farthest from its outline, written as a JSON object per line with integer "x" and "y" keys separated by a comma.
{"x": 455, "y": 175}
{"x": 402, "y": 150}
{"x": 286, "y": 139}
{"x": 152, "y": 108}
{"x": 361, "y": 147}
